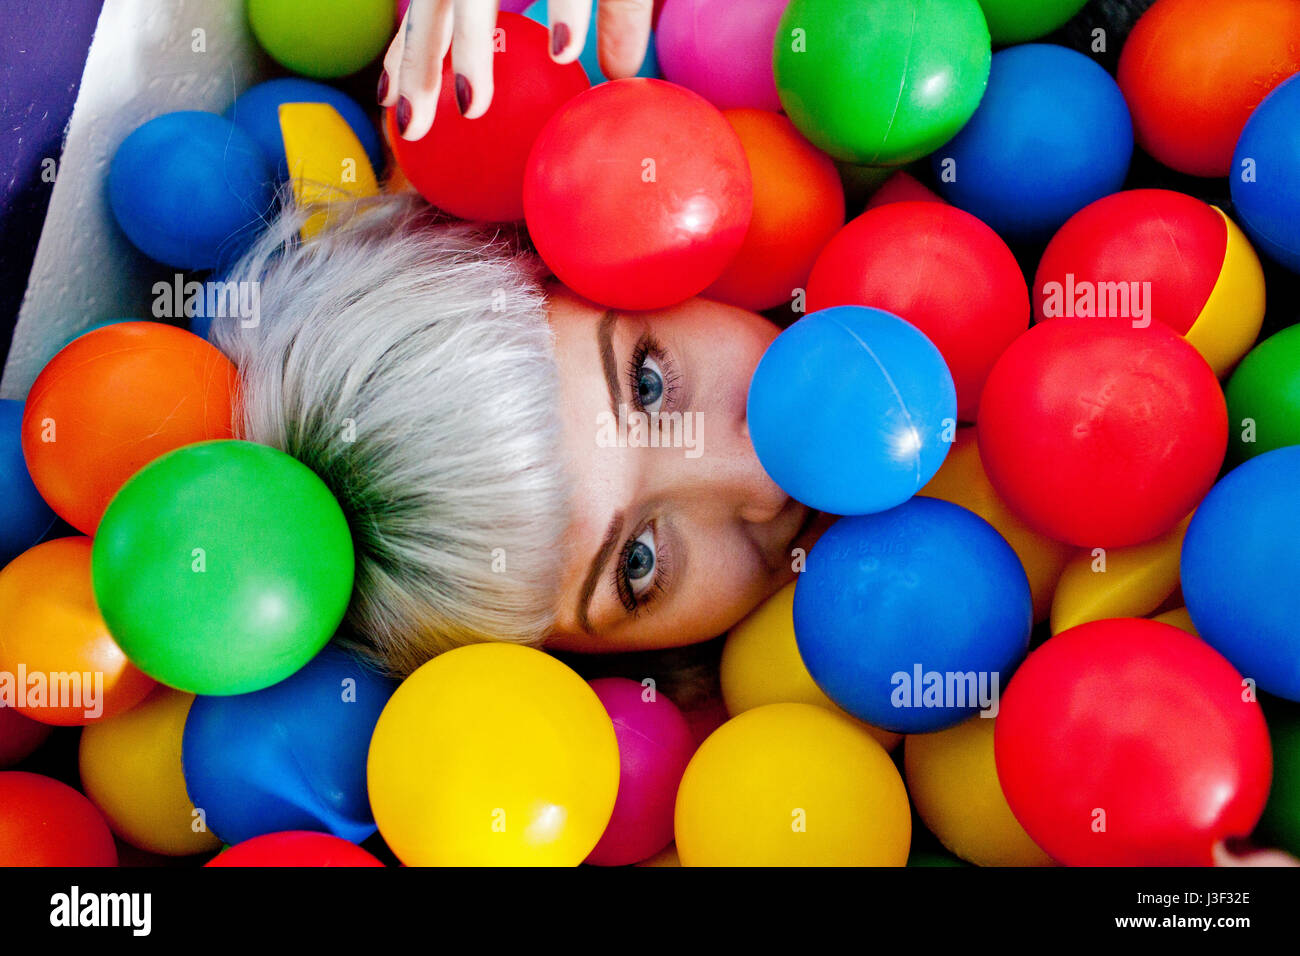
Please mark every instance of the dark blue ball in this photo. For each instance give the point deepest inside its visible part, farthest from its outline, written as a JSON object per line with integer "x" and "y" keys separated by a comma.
{"x": 889, "y": 600}
{"x": 1265, "y": 175}
{"x": 257, "y": 112}
{"x": 24, "y": 515}
{"x": 1241, "y": 570}
{"x": 852, "y": 410}
{"x": 1051, "y": 135}
{"x": 289, "y": 757}
{"x": 191, "y": 189}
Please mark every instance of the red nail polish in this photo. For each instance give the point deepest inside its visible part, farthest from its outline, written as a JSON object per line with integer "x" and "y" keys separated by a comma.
{"x": 463, "y": 93}
{"x": 559, "y": 38}
{"x": 382, "y": 94}
{"x": 403, "y": 114}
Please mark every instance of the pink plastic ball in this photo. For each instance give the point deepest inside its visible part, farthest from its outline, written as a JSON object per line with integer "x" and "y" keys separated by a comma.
{"x": 721, "y": 49}
{"x": 654, "y": 746}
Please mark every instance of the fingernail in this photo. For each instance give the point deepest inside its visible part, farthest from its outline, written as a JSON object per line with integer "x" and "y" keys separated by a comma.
{"x": 559, "y": 38}
{"x": 403, "y": 114}
{"x": 383, "y": 86}
{"x": 463, "y": 93}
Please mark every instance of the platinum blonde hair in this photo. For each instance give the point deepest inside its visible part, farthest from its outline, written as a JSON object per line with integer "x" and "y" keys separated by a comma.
{"x": 408, "y": 361}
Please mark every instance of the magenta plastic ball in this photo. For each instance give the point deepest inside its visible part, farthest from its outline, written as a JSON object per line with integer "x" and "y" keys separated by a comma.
{"x": 654, "y": 746}
{"x": 721, "y": 49}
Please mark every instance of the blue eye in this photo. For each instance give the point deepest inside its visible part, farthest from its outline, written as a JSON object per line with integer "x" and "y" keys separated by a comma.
{"x": 649, "y": 384}
{"x": 638, "y": 566}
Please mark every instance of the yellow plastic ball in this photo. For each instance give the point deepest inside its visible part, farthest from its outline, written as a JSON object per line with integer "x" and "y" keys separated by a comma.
{"x": 761, "y": 665}
{"x": 792, "y": 785}
{"x": 131, "y": 770}
{"x": 954, "y": 786}
{"x": 962, "y": 481}
{"x": 493, "y": 755}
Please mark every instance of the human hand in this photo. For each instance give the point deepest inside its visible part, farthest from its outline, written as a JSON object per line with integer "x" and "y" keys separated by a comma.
{"x": 412, "y": 77}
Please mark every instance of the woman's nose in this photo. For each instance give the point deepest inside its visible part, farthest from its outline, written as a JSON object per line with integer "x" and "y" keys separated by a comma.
{"x": 732, "y": 478}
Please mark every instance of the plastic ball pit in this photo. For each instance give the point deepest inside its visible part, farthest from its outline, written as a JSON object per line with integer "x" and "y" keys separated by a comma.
{"x": 1100, "y": 434}
{"x": 1265, "y": 175}
{"x": 741, "y": 798}
{"x": 1192, "y": 72}
{"x": 1264, "y": 397}
{"x": 939, "y": 268}
{"x": 338, "y": 38}
{"x": 257, "y": 112}
{"x": 191, "y": 189}
{"x": 1153, "y": 255}
{"x": 1051, "y": 135}
{"x": 825, "y": 378}
{"x": 1105, "y": 754}
{"x": 1238, "y": 569}
{"x": 892, "y": 602}
{"x": 881, "y": 83}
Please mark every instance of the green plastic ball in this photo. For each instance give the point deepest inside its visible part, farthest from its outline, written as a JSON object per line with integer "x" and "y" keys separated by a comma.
{"x": 1280, "y": 825}
{"x": 222, "y": 567}
{"x": 1264, "y": 396}
{"x": 881, "y": 82}
{"x": 1016, "y": 21}
{"x": 325, "y": 38}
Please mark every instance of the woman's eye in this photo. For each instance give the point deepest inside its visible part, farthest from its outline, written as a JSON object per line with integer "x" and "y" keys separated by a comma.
{"x": 639, "y": 563}
{"x": 649, "y": 385}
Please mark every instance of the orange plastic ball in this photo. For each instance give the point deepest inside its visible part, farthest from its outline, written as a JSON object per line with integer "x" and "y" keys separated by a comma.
{"x": 112, "y": 401}
{"x": 58, "y": 663}
{"x": 1192, "y": 72}
{"x": 798, "y": 207}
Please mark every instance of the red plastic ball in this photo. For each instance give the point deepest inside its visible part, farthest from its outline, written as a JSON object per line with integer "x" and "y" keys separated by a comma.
{"x": 798, "y": 207}
{"x": 1128, "y": 742}
{"x": 19, "y": 736}
{"x": 638, "y": 194}
{"x": 474, "y": 168}
{"x": 294, "y": 848}
{"x": 1100, "y": 434}
{"x": 1171, "y": 240}
{"x": 46, "y": 823}
{"x": 939, "y": 268}
{"x": 1192, "y": 72}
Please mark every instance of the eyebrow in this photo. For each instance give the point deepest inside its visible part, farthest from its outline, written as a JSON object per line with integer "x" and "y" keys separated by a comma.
{"x": 605, "y": 347}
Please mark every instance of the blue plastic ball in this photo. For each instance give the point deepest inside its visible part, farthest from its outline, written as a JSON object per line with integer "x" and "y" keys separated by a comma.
{"x": 190, "y": 189}
{"x": 289, "y": 757}
{"x": 1051, "y": 135}
{"x": 1241, "y": 565}
{"x": 257, "y": 112}
{"x": 1265, "y": 176}
{"x": 24, "y": 515}
{"x": 914, "y": 618}
{"x": 852, "y": 410}
{"x": 590, "y": 58}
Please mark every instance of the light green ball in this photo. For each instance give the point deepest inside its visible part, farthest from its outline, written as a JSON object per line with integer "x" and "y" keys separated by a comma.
{"x": 322, "y": 38}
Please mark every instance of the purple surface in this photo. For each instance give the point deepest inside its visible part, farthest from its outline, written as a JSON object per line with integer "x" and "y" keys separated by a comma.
{"x": 43, "y": 45}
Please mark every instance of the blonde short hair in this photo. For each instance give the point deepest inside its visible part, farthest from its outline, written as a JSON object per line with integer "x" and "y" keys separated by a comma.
{"x": 407, "y": 359}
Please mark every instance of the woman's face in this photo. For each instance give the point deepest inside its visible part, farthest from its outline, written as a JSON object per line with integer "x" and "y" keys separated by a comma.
{"x": 677, "y": 531}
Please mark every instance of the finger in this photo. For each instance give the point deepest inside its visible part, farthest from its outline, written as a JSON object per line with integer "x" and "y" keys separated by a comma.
{"x": 428, "y": 36}
{"x": 623, "y": 32}
{"x": 387, "y": 94}
{"x": 570, "y": 21}
{"x": 472, "y": 45}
